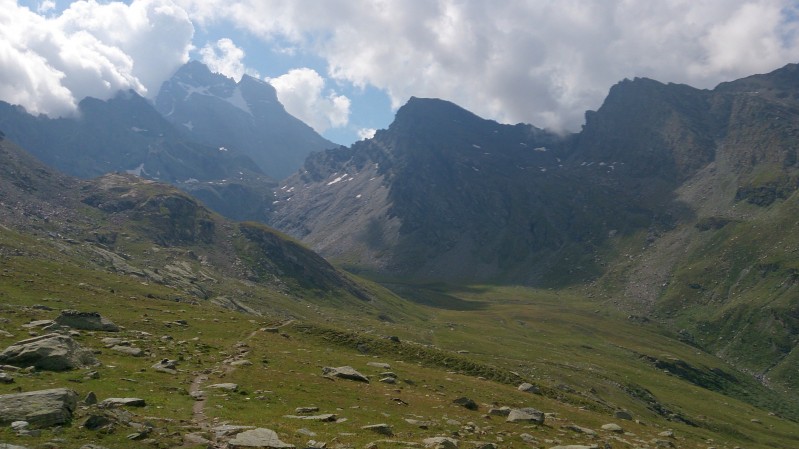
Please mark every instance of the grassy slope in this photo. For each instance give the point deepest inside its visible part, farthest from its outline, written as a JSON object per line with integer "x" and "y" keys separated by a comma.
{"x": 587, "y": 362}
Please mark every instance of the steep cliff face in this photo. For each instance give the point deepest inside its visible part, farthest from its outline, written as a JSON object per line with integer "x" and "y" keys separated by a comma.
{"x": 245, "y": 116}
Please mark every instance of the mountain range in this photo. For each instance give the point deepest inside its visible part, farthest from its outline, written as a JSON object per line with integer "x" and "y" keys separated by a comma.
{"x": 655, "y": 204}
{"x": 245, "y": 116}
{"x": 674, "y": 207}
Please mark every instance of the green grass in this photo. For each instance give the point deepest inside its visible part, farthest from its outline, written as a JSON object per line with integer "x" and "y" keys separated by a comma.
{"x": 480, "y": 342}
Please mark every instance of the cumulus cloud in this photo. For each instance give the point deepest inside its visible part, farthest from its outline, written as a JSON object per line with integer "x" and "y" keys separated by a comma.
{"x": 539, "y": 61}
{"x": 302, "y": 92}
{"x": 226, "y": 58}
{"x": 366, "y": 133}
{"x": 49, "y": 64}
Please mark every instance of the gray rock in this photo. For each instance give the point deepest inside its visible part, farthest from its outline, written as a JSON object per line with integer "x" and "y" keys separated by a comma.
{"x": 166, "y": 366}
{"x": 37, "y": 323}
{"x": 51, "y": 352}
{"x": 129, "y": 350}
{"x": 242, "y": 362}
{"x": 441, "y": 442}
{"x": 19, "y": 425}
{"x": 379, "y": 365}
{"x": 88, "y": 321}
{"x": 345, "y": 372}
{"x": 525, "y": 415}
{"x": 11, "y": 446}
{"x": 529, "y": 388}
{"x": 667, "y": 434}
{"x": 89, "y": 446}
{"x": 612, "y": 427}
{"x": 466, "y": 402}
{"x": 419, "y": 424}
{"x": 196, "y": 439}
{"x": 42, "y": 408}
{"x": 122, "y": 402}
{"x": 260, "y": 437}
{"x": 623, "y": 414}
{"x": 6, "y": 378}
{"x": 94, "y": 422}
{"x": 227, "y": 430}
{"x": 382, "y": 429}
{"x": 583, "y": 430}
{"x": 90, "y": 398}
{"x": 327, "y": 417}
{"x": 300, "y": 410}
{"x": 502, "y": 411}
{"x": 388, "y": 380}
{"x": 527, "y": 438}
{"x": 484, "y": 445}
{"x": 225, "y": 386}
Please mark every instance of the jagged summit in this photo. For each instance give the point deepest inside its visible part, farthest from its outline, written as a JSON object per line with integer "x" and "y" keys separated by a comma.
{"x": 246, "y": 116}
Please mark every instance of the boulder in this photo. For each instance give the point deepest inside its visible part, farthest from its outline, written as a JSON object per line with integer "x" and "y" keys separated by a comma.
{"x": 380, "y": 365}
{"x": 51, "y": 352}
{"x": 623, "y": 414}
{"x": 526, "y": 415}
{"x": 466, "y": 402}
{"x": 89, "y": 321}
{"x": 6, "y": 378}
{"x": 327, "y": 417}
{"x": 345, "y": 372}
{"x": 502, "y": 411}
{"x": 441, "y": 442}
{"x": 612, "y": 427}
{"x": 260, "y": 437}
{"x": 529, "y": 388}
{"x": 122, "y": 402}
{"x": 583, "y": 430}
{"x": 43, "y": 408}
{"x": 129, "y": 350}
{"x": 12, "y": 446}
{"x": 166, "y": 366}
{"x": 225, "y": 386}
{"x": 382, "y": 429}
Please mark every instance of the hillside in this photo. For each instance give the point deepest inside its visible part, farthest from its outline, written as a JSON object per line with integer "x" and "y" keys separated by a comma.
{"x": 159, "y": 266}
{"x": 673, "y": 202}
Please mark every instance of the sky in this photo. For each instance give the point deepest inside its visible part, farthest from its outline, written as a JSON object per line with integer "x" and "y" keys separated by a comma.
{"x": 345, "y": 66}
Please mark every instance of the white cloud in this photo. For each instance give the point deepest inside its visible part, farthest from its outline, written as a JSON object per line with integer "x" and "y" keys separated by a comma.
{"x": 539, "y": 61}
{"x": 45, "y": 6}
{"x": 226, "y": 58}
{"x": 48, "y": 64}
{"x": 366, "y": 133}
{"x": 302, "y": 92}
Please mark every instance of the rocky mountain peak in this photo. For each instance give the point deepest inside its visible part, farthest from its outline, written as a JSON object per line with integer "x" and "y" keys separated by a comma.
{"x": 245, "y": 116}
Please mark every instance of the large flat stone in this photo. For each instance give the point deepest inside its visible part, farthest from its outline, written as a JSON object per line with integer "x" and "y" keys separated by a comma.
{"x": 260, "y": 437}
{"x": 43, "y": 408}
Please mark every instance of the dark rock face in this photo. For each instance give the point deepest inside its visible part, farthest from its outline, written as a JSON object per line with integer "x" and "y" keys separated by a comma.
{"x": 51, "y": 352}
{"x": 44, "y": 408}
{"x": 124, "y": 133}
{"x": 244, "y": 116}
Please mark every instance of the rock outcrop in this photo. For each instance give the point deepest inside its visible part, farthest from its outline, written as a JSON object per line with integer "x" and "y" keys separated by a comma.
{"x": 345, "y": 372}
{"x": 43, "y": 408}
{"x": 264, "y": 438}
{"x": 89, "y": 321}
{"x": 51, "y": 352}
